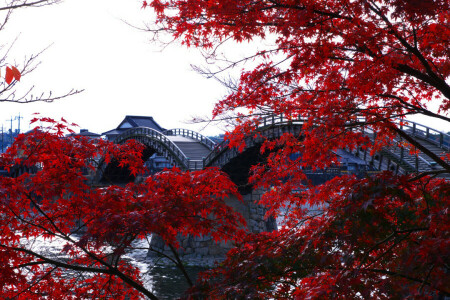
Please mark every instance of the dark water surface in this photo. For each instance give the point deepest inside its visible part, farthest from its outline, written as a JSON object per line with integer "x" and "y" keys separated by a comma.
{"x": 169, "y": 283}
{"x": 161, "y": 277}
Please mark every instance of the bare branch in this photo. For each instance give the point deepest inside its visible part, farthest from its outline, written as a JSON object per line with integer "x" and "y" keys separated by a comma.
{"x": 24, "y": 3}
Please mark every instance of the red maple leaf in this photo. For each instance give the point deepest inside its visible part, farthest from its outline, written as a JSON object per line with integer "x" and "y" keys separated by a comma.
{"x": 9, "y": 75}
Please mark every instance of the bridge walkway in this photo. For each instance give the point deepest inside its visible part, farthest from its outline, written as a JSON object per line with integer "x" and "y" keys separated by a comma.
{"x": 194, "y": 150}
{"x": 421, "y": 161}
{"x": 407, "y": 161}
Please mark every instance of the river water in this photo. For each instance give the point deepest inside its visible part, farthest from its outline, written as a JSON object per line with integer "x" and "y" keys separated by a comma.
{"x": 160, "y": 277}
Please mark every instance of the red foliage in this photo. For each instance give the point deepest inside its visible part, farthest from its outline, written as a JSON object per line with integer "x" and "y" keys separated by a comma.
{"x": 342, "y": 66}
{"x": 16, "y": 73}
{"x": 377, "y": 238}
{"x": 11, "y": 74}
{"x": 96, "y": 224}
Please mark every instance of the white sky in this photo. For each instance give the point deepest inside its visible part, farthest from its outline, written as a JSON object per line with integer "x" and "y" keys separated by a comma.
{"x": 121, "y": 71}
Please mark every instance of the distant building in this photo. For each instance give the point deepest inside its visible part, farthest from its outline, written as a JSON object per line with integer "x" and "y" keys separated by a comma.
{"x": 6, "y": 139}
{"x": 87, "y": 133}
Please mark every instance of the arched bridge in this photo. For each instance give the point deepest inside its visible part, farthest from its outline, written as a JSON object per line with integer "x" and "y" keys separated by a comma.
{"x": 183, "y": 148}
{"x": 190, "y": 150}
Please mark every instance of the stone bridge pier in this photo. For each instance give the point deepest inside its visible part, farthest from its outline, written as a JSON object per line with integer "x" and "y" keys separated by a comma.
{"x": 204, "y": 248}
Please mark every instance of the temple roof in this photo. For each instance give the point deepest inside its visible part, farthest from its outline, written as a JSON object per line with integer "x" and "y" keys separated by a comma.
{"x": 132, "y": 122}
{"x": 137, "y": 121}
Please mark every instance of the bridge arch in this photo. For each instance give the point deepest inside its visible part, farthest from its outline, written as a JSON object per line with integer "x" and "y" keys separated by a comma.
{"x": 157, "y": 141}
{"x": 392, "y": 158}
{"x": 183, "y": 148}
{"x": 154, "y": 141}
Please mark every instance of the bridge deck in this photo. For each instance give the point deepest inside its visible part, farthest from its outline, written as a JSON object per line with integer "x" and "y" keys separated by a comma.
{"x": 193, "y": 149}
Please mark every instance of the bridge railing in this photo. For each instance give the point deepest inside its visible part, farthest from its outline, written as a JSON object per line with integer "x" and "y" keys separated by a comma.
{"x": 156, "y": 136}
{"x": 263, "y": 123}
{"x": 210, "y": 144}
{"x": 413, "y": 129}
{"x": 219, "y": 148}
{"x": 279, "y": 119}
{"x": 432, "y": 135}
{"x": 439, "y": 138}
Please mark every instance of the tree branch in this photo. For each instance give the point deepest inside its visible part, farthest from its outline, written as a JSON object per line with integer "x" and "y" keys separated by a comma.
{"x": 25, "y": 4}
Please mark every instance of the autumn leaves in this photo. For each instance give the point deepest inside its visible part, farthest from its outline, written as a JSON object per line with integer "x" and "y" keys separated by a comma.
{"x": 12, "y": 73}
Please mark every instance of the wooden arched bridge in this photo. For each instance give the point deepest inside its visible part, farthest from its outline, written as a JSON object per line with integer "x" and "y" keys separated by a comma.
{"x": 183, "y": 148}
{"x": 190, "y": 150}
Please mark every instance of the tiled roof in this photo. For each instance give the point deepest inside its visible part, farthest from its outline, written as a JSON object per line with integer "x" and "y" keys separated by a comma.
{"x": 85, "y": 132}
{"x": 137, "y": 121}
{"x": 134, "y": 121}
{"x": 88, "y": 133}
{"x": 113, "y": 131}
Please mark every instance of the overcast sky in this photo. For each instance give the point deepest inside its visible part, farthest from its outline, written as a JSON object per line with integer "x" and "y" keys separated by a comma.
{"x": 121, "y": 71}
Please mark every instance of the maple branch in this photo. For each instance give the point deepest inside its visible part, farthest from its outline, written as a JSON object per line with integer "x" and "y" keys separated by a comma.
{"x": 423, "y": 174}
{"x": 396, "y": 274}
{"x": 439, "y": 84}
{"x": 319, "y": 12}
{"x": 232, "y": 63}
{"x": 412, "y": 230}
{"x": 420, "y": 109}
{"x": 5, "y": 20}
{"x": 426, "y": 278}
{"x": 341, "y": 58}
{"x": 45, "y": 215}
{"x": 163, "y": 254}
{"x": 29, "y": 65}
{"x": 35, "y": 283}
{"x": 50, "y": 261}
{"x": 366, "y": 256}
{"x": 432, "y": 78}
{"x": 393, "y": 274}
{"x": 396, "y": 242}
{"x": 115, "y": 270}
{"x": 43, "y": 97}
{"x": 180, "y": 265}
{"x": 34, "y": 263}
{"x": 109, "y": 270}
